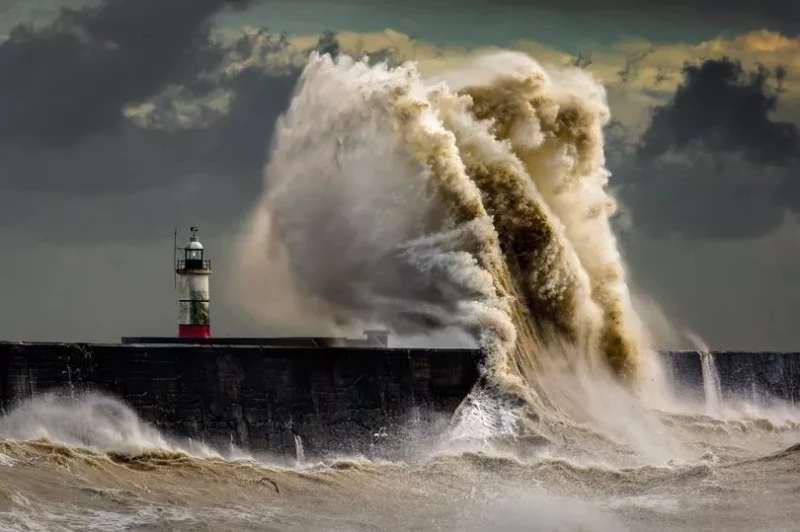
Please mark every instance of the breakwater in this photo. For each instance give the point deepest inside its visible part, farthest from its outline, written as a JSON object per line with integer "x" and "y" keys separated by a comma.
{"x": 330, "y": 397}
{"x": 268, "y": 398}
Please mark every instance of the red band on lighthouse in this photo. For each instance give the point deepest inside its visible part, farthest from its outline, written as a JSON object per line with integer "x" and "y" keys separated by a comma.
{"x": 194, "y": 331}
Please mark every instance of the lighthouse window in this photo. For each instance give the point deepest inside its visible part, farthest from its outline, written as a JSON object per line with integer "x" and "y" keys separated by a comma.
{"x": 194, "y": 254}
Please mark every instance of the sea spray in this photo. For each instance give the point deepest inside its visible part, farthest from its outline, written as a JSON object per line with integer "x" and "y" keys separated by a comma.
{"x": 473, "y": 201}
{"x": 90, "y": 420}
{"x": 358, "y": 218}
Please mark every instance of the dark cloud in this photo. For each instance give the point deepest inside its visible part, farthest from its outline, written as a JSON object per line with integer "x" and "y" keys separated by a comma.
{"x": 72, "y": 78}
{"x": 74, "y": 167}
{"x": 727, "y": 110}
{"x": 328, "y": 44}
{"x": 713, "y": 163}
{"x": 132, "y": 160}
{"x": 134, "y": 180}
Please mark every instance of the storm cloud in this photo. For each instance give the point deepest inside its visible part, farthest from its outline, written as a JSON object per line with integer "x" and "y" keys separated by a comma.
{"x": 126, "y": 108}
{"x": 726, "y": 109}
{"x": 72, "y": 78}
{"x": 714, "y": 162}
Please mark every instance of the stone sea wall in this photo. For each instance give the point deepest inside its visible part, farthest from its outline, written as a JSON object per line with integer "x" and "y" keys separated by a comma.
{"x": 330, "y": 400}
{"x": 262, "y": 398}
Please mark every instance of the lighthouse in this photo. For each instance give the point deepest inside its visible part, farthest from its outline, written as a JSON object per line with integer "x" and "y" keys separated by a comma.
{"x": 193, "y": 272}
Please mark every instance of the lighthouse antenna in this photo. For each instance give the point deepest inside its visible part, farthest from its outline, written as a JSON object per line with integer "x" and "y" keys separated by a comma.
{"x": 175, "y": 260}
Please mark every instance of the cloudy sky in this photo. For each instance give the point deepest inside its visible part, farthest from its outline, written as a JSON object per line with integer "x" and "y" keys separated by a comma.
{"x": 121, "y": 120}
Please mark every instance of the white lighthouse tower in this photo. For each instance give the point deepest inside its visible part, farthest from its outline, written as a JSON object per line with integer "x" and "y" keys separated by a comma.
{"x": 193, "y": 272}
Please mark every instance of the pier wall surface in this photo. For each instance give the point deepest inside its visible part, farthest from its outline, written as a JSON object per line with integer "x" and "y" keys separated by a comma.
{"x": 257, "y": 397}
{"x": 758, "y": 377}
{"x": 328, "y": 399}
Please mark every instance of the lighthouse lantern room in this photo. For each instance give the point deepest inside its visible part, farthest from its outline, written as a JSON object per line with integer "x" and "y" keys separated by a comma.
{"x": 193, "y": 272}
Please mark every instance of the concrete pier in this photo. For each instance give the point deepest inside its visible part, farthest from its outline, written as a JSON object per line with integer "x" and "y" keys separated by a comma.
{"x": 761, "y": 377}
{"x": 334, "y": 396}
{"x": 257, "y": 397}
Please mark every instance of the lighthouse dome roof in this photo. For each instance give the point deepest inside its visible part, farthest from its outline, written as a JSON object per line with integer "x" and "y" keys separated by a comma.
{"x": 194, "y": 244}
